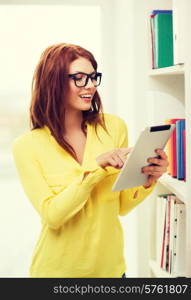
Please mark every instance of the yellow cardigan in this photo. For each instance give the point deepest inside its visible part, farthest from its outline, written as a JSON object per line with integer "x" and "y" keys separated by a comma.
{"x": 81, "y": 233}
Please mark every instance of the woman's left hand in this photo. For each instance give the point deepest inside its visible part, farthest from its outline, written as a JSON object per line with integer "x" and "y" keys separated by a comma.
{"x": 154, "y": 172}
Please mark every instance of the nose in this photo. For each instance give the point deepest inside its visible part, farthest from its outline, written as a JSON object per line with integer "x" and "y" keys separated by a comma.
{"x": 89, "y": 84}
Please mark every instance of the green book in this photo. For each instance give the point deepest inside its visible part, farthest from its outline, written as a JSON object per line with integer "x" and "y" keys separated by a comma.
{"x": 163, "y": 38}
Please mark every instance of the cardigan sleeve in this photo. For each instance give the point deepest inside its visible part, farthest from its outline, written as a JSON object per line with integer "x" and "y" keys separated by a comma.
{"x": 55, "y": 210}
{"x": 131, "y": 197}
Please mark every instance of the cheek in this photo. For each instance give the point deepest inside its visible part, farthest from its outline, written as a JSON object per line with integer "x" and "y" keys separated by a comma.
{"x": 73, "y": 91}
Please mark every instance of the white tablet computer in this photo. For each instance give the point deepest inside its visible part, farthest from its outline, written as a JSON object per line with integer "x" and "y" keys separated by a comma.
{"x": 151, "y": 138}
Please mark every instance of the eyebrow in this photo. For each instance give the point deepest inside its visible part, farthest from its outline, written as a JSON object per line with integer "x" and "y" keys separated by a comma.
{"x": 84, "y": 72}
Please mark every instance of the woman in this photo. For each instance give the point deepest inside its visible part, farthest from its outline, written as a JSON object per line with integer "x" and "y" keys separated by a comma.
{"x": 68, "y": 163}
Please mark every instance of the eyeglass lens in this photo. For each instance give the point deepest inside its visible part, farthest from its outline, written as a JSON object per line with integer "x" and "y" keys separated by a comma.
{"x": 82, "y": 79}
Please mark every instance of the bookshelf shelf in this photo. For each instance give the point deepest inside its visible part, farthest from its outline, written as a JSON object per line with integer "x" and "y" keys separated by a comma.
{"x": 177, "y": 187}
{"x": 174, "y": 70}
{"x": 168, "y": 95}
{"x": 157, "y": 271}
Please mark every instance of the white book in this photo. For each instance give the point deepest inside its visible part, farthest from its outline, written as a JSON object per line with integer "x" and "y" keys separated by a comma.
{"x": 160, "y": 219}
{"x": 168, "y": 219}
{"x": 172, "y": 231}
{"x": 166, "y": 237}
{"x": 161, "y": 230}
{"x": 179, "y": 264}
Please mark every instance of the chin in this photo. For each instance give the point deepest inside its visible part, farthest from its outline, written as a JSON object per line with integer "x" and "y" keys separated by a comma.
{"x": 85, "y": 108}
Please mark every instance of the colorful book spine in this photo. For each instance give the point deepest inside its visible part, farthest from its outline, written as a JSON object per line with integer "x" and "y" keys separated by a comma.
{"x": 159, "y": 11}
{"x": 172, "y": 150}
{"x": 180, "y": 127}
{"x": 169, "y": 150}
{"x": 176, "y": 150}
{"x": 170, "y": 234}
{"x": 184, "y": 152}
{"x": 163, "y": 38}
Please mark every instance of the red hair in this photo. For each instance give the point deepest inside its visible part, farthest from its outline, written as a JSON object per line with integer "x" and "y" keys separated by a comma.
{"x": 49, "y": 91}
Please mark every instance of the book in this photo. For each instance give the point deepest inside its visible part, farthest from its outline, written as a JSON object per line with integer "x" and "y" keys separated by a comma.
{"x": 161, "y": 11}
{"x": 168, "y": 217}
{"x": 169, "y": 150}
{"x": 179, "y": 264}
{"x": 172, "y": 168}
{"x": 152, "y": 41}
{"x": 184, "y": 152}
{"x": 162, "y": 222}
{"x": 163, "y": 39}
{"x": 172, "y": 232}
{"x": 160, "y": 225}
{"x": 180, "y": 126}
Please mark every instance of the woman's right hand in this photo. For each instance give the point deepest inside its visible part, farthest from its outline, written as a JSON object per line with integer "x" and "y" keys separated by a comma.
{"x": 115, "y": 158}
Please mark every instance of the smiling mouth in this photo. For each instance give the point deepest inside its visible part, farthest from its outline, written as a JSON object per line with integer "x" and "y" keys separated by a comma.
{"x": 86, "y": 97}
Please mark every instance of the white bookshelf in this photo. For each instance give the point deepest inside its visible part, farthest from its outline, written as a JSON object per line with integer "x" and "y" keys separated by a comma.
{"x": 157, "y": 271}
{"x": 174, "y": 70}
{"x": 171, "y": 84}
{"x": 175, "y": 186}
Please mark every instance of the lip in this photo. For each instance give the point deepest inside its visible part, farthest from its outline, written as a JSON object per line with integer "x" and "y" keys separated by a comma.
{"x": 86, "y": 100}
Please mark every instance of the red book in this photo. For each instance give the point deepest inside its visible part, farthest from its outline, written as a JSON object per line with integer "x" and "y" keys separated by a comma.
{"x": 172, "y": 150}
{"x": 168, "y": 234}
{"x": 163, "y": 250}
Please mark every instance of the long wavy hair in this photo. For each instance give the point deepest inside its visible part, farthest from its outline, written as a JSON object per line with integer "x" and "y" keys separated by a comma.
{"x": 50, "y": 86}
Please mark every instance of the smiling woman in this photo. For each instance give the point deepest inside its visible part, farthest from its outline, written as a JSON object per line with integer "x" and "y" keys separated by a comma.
{"x": 68, "y": 163}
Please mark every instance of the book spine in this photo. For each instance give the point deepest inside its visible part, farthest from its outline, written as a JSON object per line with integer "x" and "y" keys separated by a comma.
{"x": 179, "y": 265}
{"x": 163, "y": 40}
{"x": 180, "y": 152}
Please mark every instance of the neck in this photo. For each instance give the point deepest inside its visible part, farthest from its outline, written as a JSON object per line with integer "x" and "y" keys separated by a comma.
{"x": 73, "y": 120}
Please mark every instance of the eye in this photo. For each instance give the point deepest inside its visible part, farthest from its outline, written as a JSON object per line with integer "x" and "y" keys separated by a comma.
{"x": 93, "y": 76}
{"x": 78, "y": 78}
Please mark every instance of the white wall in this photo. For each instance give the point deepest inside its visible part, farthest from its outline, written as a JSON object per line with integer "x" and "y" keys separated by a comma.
{"x": 25, "y": 32}
{"x": 114, "y": 47}
{"x": 125, "y": 107}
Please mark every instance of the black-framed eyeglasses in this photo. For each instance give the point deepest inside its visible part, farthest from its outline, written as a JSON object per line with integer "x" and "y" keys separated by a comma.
{"x": 81, "y": 79}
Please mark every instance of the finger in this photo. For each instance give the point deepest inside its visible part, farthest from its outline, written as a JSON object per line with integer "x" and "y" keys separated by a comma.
{"x": 158, "y": 161}
{"x": 125, "y": 151}
{"x": 118, "y": 159}
{"x": 156, "y": 174}
{"x": 112, "y": 162}
{"x": 122, "y": 157}
{"x": 120, "y": 154}
{"x": 162, "y": 153}
{"x": 153, "y": 169}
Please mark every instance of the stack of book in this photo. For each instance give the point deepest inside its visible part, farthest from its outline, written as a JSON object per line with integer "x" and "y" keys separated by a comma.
{"x": 176, "y": 150}
{"x": 161, "y": 38}
{"x": 170, "y": 234}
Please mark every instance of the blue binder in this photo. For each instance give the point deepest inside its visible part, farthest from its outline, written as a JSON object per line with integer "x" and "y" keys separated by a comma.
{"x": 159, "y": 11}
{"x": 180, "y": 126}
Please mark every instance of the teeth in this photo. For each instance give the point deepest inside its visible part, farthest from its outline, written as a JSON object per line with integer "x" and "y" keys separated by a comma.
{"x": 85, "y": 96}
